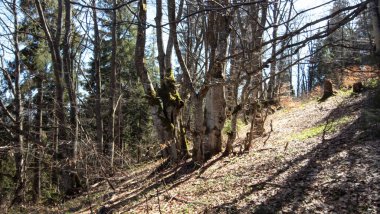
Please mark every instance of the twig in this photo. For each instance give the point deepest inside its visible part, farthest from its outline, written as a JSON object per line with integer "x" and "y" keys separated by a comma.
{"x": 261, "y": 150}
{"x": 286, "y": 146}
{"x": 158, "y": 199}
{"x": 185, "y": 201}
{"x": 146, "y": 202}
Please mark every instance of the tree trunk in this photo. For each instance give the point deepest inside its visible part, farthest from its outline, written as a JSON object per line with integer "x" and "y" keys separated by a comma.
{"x": 143, "y": 73}
{"x": 36, "y": 185}
{"x": 160, "y": 44}
{"x": 66, "y": 153}
{"x": 376, "y": 24}
{"x": 255, "y": 68}
{"x": 272, "y": 80}
{"x": 112, "y": 104}
{"x": 218, "y": 33}
{"x": 71, "y": 88}
{"x": 69, "y": 180}
{"x": 119, "y": 113}
{"x": 188, "y": 87}
{"x": 249, "y": 137}
{"x": 98, "y": 83}
{"x": 57, "y": 66}
{"x": 118, "y": 105}
{"x": 19, "y": 155}
{"x": 232, "y": 96}
{"x": 199, "y": 130}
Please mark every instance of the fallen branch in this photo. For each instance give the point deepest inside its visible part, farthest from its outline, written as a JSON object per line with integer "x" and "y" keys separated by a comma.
{"x": 170, "y": 198}
{"x": 5, "y": 149}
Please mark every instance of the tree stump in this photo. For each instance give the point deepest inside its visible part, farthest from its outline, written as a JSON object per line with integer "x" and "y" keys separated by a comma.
{"x": 327, "y": 90}
{"x": 357, "y": 87}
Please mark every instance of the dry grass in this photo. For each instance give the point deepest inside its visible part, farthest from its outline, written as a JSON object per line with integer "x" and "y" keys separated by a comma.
{"x": 337, "y": 172}
{"x": 353, "y": 74}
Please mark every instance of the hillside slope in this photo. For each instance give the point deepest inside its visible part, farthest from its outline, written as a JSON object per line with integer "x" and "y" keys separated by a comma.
{"x": 318, "y": 158}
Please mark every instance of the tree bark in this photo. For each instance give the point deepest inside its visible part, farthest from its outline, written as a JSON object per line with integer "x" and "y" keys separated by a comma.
{"x": 232, "y": 96}
{"x": 71, "y": 88}
{"x": 112, "y": 105}
{"x": 273, "y": 65}
{"x": 57, "y": 66}
{"x": 65, "y": 154}
{"x": 143, "y": 73}
{"x": 19, "y": 155}
{"x": 199, "y": 130}
{"x": 197, "y": 98}
{"x": 59, "y": 111}
{"x": 160, "y": 46}
{"x": 36, "y": 185}
{"x": 215, "y": 116}
{"x": 376, "y": 24}
{"x": 98, "y": 82}
{"x": 255, "y": 66}
{"x": 69, "y": 181}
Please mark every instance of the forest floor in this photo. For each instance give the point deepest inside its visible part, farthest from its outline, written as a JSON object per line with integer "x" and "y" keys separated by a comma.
{"x": 315, "y": 157}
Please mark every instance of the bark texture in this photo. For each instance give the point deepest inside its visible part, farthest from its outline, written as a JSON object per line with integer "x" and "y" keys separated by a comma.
{"x": 19, "y": 178}
{"x": 98, "y": 82}
{"x": 215, "y": 115}
{"x": 376, "y": 24}
{"x": 165, "y": 102}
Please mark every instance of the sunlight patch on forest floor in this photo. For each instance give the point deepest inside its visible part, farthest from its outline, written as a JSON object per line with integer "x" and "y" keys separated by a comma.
{"x": 328, "y": 127}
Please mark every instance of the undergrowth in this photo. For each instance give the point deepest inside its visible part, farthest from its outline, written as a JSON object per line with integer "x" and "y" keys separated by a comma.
{"x": 227, "y": 126}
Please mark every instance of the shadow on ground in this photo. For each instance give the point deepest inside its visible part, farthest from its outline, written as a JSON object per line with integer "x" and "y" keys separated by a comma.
{"x": 352, "y": 158}
{"x": 341, "y": 172}
{"x": 131, "y": 190}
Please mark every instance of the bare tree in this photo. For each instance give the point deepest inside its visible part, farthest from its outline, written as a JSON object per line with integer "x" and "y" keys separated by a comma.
{"x": 62, "y": 69}
{"x": 13, "y": 77}
{"x": 98, "y": 82}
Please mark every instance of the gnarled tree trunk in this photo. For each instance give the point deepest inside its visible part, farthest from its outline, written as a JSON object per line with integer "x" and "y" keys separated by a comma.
{"x": 215, "y": 115}
{"x": 165, "y": 102}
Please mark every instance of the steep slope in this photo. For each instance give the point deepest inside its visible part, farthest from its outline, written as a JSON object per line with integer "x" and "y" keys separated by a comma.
{"x": 317, "y": 157}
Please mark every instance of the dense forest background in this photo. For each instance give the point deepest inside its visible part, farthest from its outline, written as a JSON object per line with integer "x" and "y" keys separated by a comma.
{"x": 89, "y": 88}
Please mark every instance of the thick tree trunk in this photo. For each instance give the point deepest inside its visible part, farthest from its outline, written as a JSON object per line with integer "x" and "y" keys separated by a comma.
{"x": 168, "y": 95}
{"x": 235, "y": 113}
{"x": 199, "y": 130}
{"x": 164, "y": 61}
{"x": 215, "y": 116}
{"x": 188, "y": 88}
{"x": 249, "y": 137}
{"x": 151, "y": 93}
